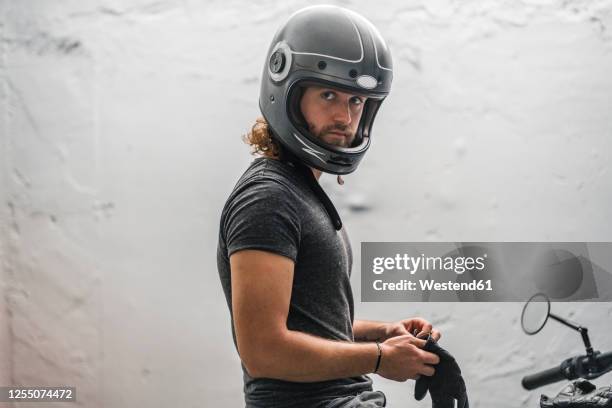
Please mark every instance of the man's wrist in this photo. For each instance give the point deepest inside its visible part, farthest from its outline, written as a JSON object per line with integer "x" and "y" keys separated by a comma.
{"x": 382, "y": 332}
{"x": 379, "y": 331}
{"x": 366, "y": 330}
{"x": 378, "y": 358}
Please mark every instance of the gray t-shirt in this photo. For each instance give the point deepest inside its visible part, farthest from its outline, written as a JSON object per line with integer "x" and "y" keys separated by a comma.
{"x": 273, "y": 209}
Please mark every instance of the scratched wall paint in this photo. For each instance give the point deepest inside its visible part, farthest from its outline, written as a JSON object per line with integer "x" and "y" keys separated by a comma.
{"x": 121, "y": 130}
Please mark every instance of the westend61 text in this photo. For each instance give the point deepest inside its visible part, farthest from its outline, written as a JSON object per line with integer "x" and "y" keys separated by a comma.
{"x": 428, "y": 284}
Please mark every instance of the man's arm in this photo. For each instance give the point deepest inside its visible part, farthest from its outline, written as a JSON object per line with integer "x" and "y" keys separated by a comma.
{"x": 368, "y": 330}
{"x": 261, "y": 292}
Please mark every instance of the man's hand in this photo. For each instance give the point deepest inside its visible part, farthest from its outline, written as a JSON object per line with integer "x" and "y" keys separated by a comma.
{"x": 403, "y": 359}
{"x": 415, "y": 327}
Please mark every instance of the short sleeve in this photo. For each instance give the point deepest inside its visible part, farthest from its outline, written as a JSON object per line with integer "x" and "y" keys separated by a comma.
{"x": 263, "y": 215}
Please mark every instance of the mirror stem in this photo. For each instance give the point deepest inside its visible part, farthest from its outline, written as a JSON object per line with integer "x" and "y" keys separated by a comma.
{"x": 565, "y": 322}
{"x": 582, "y": 330}
{"x": 586, "y": 340}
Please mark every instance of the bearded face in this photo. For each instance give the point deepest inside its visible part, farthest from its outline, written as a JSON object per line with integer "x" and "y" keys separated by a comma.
{"x": 332, "y": 116}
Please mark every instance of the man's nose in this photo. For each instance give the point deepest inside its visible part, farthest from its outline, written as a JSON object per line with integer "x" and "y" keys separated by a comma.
{"x": 342, "y": 113}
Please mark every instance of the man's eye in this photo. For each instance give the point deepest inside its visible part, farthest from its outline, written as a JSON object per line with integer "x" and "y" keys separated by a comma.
{"x": 357, "y": 100}
{"x": 328, "y": 95}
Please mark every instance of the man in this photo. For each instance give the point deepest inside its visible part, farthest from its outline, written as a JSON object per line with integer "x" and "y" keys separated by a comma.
{"x": 284, "y": 257}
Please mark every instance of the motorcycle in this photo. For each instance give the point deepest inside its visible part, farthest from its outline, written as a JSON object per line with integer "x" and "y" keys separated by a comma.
{"x": 582, "y": 368}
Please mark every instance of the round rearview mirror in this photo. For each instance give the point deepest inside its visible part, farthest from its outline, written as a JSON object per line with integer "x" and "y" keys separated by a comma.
{"x": 535, "y": 313}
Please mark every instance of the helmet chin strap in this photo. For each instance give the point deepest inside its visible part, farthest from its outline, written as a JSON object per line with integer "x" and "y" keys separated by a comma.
{"x": 314, "y": 185}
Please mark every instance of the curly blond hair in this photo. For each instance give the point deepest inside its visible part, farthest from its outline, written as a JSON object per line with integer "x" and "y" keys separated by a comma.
{"x": 260, "y": 139}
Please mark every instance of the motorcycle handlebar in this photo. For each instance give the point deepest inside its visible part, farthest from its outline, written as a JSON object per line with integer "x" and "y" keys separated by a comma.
{"x": 588, "y": 367}
{"x": 542, "y": 378}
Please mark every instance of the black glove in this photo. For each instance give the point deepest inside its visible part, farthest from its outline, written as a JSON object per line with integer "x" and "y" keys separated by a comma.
{"x": 579, "y": 394}
{"x": 446, "y": 385}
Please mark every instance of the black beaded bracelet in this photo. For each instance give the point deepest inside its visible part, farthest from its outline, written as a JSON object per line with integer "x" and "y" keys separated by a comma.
{"x": 379, "y": 356}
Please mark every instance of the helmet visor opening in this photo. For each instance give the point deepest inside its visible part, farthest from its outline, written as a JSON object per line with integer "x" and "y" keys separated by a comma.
{"x": 321, "y": 128}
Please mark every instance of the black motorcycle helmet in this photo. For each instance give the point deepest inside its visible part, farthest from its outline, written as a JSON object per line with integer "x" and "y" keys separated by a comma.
{"x": 328, "y": 46}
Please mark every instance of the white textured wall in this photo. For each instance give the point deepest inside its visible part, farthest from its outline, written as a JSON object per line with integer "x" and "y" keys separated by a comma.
{"x": 121, "y": 124}
{"x": 5, "y": 326}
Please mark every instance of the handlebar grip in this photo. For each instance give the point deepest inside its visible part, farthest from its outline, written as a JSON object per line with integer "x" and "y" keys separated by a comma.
{"x": 542, "y": 378}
